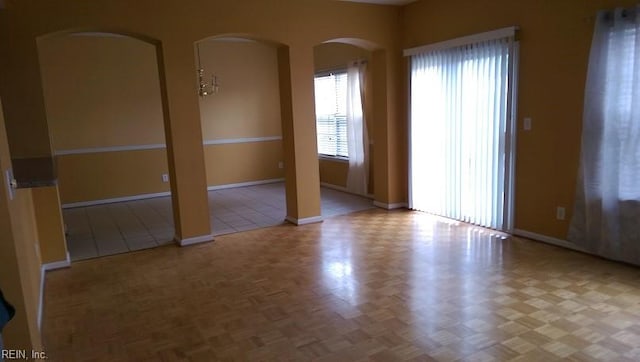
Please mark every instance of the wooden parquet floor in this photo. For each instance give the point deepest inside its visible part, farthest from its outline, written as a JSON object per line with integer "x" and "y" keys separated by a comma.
{"x": 373, "y": 285}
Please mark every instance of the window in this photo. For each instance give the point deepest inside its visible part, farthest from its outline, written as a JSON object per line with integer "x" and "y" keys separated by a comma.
{"x": 461, "y": 159}
{"x": 607, "y": 204}
{"x": 620, "y": 146}
{"x": 331, "y": 114}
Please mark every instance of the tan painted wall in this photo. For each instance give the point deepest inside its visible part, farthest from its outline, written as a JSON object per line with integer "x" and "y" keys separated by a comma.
{"x": 100, "y": 91}
{"x": 555, "y": 37}
{"x": 175, "y": 26}
{"x": 248, "y": 104}
{"x": 246, "y": 162}
{"x": 19, "y": 261}
{"x": 51, "y": 235}
{"x": 105, "y": 175}
{"x": 329, "y": 56}
{"x": 334, "y": 172}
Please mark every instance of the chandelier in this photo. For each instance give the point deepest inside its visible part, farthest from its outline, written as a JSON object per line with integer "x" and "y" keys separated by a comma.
{"x": 206, "y": 88}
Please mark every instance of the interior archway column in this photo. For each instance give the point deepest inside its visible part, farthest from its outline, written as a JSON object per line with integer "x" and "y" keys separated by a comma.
{"x": 185, "y": 151}
{"x": 389, "y": 132}
{"x": 302, "y": 177}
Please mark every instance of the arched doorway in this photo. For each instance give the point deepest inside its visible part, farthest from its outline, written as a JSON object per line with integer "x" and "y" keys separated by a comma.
{"x": 106, "y": 124}
{"x": 240, "y": 111}
{"x": 344, "y": 82}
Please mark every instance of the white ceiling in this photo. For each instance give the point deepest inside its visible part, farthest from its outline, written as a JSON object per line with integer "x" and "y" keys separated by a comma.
{"x": 383, "y": 2}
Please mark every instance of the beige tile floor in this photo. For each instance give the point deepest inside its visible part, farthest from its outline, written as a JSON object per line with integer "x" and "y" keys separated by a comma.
{"x": 129, "y": 226}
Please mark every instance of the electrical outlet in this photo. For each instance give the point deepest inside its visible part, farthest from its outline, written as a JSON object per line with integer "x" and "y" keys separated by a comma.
{"x": 560, "y": 213}
{"x": 165, "y": 177}
{"x": 280, "y": 164}
{"x": 527, "y": 124}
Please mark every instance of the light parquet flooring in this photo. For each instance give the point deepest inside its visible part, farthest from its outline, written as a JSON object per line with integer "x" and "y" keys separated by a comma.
{"x": 372, "y": 285}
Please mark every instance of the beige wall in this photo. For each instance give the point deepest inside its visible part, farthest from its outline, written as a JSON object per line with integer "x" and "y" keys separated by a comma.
{"x": 334, "y": 172}
{"x": 105, "y": 175}
{"x": 295, "y": 25}
{"x": 243, "y": 162}
{"x": 51, "y": 233}
{"x": 101, "y": 90}
{"x": 19, "y": 261}
{"x": 555, "y": 37}
{"x": 246, "y": 106}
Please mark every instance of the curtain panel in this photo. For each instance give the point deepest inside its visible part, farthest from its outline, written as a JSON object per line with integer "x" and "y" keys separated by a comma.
{"x": 606, "y": 218}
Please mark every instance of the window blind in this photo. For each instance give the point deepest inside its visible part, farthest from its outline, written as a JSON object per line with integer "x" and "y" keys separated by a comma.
{"x": 331, "y": 114}
{"x": 461, "y": 132}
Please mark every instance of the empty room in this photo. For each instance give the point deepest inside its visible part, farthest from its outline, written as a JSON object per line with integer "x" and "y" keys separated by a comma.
{"x": 325, "y": 180}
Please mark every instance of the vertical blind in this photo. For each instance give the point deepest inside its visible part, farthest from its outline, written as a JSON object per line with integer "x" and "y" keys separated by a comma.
{"x": 331, "y": 114}
{"x": 461, "y": 132}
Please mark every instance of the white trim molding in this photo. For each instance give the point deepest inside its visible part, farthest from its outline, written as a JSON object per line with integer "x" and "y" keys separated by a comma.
{"x": 334, "y": 187}
{"x": 194, "y": 240}
{"x": 44, "y": 268}
{"x": 79, "y": 151}
{"x": 157, "y": 146}
{"x": 226, "y": 141}
{"x": 115, "y": 199}
{"x": 243, "y": 184}
{"x": 304, "y": 221}
{"x": 57, "y": 264}
{"x": 343, "y": 189}
{"x": 547, "y": 239}
{"x": 162, "y": 194}
{"x": 41, "y": 299}
{"x": 465, "y": 40}
{"x": 391, "y": 206}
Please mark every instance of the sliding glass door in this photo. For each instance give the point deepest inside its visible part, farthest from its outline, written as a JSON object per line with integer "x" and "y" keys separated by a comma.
{"x": 461, "y": 131}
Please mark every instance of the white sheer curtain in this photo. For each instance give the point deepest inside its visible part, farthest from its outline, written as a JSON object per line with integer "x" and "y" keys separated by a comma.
{"x": 607, "y": 209}
{"x": 461, "y": 162}
{"x": 357, "y": 140}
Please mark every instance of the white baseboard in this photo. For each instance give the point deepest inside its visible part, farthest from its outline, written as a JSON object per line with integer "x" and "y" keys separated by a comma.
{"x": 162, "y": 194}
{"x": 243, "y": 184}
{"x": 393, "y": 206}
{"x": 304, "y": 221}
{"x": 343, "y": 189}
{"x": 41, "y": 299}
{"x": 547, "y": 239}
{"x": 194, "y": 240}
{"x": 334, "y": 187}
{"x": 115, "y": 199}
{"x": 43, "y": 269}
{"x": 57, "y": 264}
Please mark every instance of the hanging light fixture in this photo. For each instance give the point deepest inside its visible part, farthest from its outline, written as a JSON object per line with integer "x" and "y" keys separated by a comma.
{"x": 204, "y": 88}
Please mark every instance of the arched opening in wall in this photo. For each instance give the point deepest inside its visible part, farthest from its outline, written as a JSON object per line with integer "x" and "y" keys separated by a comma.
{"x": 105, "y": 117}
{"x": 343, "y": 85}
{"x": 240, "y": 110}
